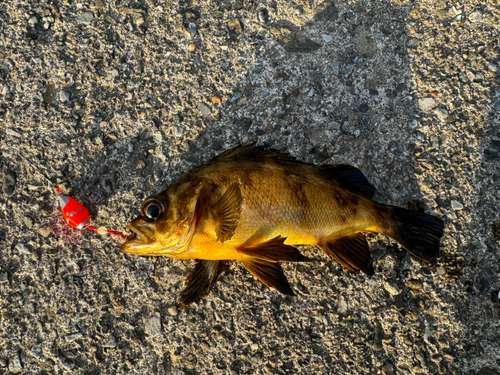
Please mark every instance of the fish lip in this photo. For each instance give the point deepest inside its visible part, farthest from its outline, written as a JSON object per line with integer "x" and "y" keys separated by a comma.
{"x": 136, "y": 241}
{"x": 140, "y": 235}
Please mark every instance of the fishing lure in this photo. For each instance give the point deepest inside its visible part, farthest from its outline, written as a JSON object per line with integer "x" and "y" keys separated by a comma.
{"x": 75, "y": 213}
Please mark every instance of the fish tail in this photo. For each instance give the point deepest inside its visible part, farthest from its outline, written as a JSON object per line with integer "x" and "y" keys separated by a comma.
{"x": 418, "y": 232}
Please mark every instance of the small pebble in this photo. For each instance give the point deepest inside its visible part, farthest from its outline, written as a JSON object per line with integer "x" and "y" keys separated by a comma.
{"x": 85, "y": 17}
{"x": 68, "y": 365}
{"x": 379, "y": 335}
{"x": 364, "y": 107}
{"x": 412, "y": 316}
{"x": 392, "y": 288}
{"x": 455, "y": 205}
{"x": 336, "y": 67}
{"x": 204, "y": 109}
{"x": 350, "y": 69}
{"x": 64, "y": 96}
{"x": 33, "y": 21}
{"x": 235, "y": 26}
{"x": 476, "y": 16}
{"x": 73, "y": 337}
{"x": 9, "y": 131}
{"x": 153, "y": 325}
{"x": 334, "y": 125}
{"x": 45, "y": 231}
{"x": 414, "y": 284}
{"x": 327, "y": 38}
{"x": 426, "y": 104}
{"x": 388, "y": 369}
{"x": 492, "y": 67}
{"x": 254, "y": 346}
{"x": 191, "y": 47}
{"x": 111, "y": 343}
{"x": 4, "y": 277}
{"x": 485, "y": 284}
{"x": 192, "y": 29}
{"x": 440, "y": 271}
{"x": 99, "y": 4}
{"x": 341, "y": 306}
{"x": 441, "y": 113}
{"x": 216, "y": 99}
{"x": 9, "y": 183}
{"x": 15, "y": 364}
{"x": 36, "y": 351}
{"x": 189, "y": 361}
{"x": 109, "y": 19}
{"x": 22, "y": 248}
{"x": 139, "y": 21}
{"x": 172, "y": 310}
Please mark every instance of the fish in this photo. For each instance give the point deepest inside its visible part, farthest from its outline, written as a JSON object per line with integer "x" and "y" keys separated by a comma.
{"x": 255, "y": 205}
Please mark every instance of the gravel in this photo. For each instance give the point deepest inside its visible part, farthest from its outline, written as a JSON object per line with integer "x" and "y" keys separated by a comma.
{"x": 113, "y": 101}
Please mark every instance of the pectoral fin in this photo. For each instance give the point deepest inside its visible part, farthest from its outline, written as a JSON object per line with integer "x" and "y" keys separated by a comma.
{"x": 226, "y": 212}
{"x": 200, "y": 281}
{"x": 351, "y": 251}
{"x": 273, "y": 251}
{"x": 271, "y": 274}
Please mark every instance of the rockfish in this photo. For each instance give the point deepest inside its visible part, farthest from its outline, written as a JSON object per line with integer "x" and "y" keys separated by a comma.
{"x": 252, "y": 205}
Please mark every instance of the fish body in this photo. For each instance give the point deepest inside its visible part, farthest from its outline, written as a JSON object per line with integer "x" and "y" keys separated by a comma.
{"x": 253, "y": 205}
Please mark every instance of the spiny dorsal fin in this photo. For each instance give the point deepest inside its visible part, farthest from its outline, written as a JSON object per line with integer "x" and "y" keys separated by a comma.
{"x": 227, "y": 212}
{"x": 200, "y": 281}
{"x": 273, "y": 250}
{"x": 351, "y": 251}
{"x": 270, "y": 273}
{"x": 252, "y": 152}
{"x": 348, "y": 177}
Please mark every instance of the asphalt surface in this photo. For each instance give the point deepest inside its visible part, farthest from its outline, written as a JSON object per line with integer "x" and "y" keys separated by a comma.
{"x": 114, "y": 100}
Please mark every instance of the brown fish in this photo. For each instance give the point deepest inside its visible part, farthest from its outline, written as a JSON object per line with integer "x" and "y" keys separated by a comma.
{"x": 252, "y": 204}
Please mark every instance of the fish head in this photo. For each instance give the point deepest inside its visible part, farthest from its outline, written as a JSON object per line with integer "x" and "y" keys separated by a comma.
{"x": 166, "y": 224}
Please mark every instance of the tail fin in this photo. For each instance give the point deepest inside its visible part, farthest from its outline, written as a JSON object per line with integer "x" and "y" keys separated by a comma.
{"x": 419, "y": 233}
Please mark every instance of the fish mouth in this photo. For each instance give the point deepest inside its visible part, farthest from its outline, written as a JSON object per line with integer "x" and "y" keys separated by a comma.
{"x": 137, "y": 240}
{"x": 136, "y": 232}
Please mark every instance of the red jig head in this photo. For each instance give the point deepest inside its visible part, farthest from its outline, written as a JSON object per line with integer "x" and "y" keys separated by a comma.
{"x": 74, "y": 212}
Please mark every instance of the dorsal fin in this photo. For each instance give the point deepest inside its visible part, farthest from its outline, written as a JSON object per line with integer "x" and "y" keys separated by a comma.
{"x": 253, "y": 152}
{"x": 349, "y": 178}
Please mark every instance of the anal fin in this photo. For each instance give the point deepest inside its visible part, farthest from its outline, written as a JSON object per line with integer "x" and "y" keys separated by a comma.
{"x": 351, "y": 251}
{"x": 226, "y": 212}
{"x": 270, "y": 273}
{"x": 200, "y": 280}
{"x": 273, "y": 250}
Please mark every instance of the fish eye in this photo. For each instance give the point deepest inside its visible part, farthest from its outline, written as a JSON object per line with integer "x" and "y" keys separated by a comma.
{"x": 153, "y": 209}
